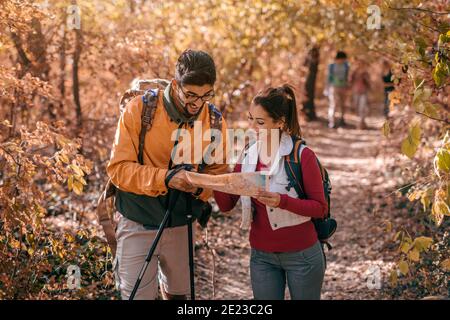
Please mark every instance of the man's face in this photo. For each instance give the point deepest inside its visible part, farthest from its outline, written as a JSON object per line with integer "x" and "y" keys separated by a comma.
{"x": 192, "y": 97}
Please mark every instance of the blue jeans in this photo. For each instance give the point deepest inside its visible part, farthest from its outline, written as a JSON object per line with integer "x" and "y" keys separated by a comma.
{"x": 303, "y": 270}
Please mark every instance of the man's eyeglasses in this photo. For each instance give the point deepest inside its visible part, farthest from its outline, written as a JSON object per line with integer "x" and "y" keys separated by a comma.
{"x": 190, "y": 97}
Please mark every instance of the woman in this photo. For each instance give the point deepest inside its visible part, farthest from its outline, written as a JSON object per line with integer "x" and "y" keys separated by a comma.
{"x": 283, "y": 240}
{"x": 360, "y": 82}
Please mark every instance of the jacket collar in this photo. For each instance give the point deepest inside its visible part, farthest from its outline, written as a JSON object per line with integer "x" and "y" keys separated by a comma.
{"x": 285, "y": 148}
{"x": 251, "y": 156}
{"x": 286, "y": 145}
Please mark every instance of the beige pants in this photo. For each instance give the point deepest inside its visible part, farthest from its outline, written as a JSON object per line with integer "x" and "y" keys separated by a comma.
{"x": 171, "y": 255}
{"x": 337, "y": 99}
{"x": 360, "y": 104}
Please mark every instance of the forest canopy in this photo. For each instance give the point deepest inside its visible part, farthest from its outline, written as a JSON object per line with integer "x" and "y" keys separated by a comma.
{"x": 65, "y": 64}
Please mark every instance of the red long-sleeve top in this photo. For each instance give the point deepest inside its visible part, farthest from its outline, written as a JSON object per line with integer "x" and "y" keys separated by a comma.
{"x": 287, "y": 239}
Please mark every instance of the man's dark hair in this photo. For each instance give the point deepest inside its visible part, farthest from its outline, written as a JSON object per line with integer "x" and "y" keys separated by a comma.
{"x": 195, "y": 68}
{"x": 341, "y": 55}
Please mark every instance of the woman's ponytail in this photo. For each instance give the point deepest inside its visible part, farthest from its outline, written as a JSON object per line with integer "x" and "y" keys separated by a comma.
{"x": 280, "y": 103}
{"x": 292, "y": 120}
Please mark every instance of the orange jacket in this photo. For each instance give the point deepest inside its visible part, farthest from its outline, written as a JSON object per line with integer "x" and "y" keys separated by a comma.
{"x": 124, "y": 169}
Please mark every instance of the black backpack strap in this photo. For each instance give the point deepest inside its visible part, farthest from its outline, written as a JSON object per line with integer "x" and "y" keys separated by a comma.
{"x": 215, "y": 122}
{"x": 149, "y": 100}
{"x": 327, "y": 186}
{"x": 215, "y": 117}
{"x": 327, "y": 226}
{"x": 175, "y": 170}
{"x": 293, "y": 169}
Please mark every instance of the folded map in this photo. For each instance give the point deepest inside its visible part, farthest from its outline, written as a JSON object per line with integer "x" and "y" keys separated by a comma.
{"x": 239, "y": 183}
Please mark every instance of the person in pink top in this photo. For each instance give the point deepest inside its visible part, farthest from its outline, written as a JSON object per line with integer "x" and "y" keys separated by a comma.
{"x": 360, "y": 82}
{"x": 283, "y": 240}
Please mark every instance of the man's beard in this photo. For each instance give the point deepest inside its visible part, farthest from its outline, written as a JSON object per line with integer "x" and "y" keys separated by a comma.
{"x": 186, "y": 108}
{"x": 191, "y": 110}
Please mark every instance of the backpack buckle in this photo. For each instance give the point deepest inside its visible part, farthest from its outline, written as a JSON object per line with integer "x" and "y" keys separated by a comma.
{"x": 146, "y": 119}
{"x": 290, "y": 185}
{"x": 328, "y": 245}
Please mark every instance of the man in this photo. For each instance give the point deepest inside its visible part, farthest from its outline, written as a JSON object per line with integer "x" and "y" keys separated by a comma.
{"x": 142, "y": 193}
{"x": 337, "y": 85}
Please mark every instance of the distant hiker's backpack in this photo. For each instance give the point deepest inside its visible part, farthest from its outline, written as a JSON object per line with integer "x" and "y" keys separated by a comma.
{"x": 149, "y": 90}
{"x": 338, "y": 76}
{"x": 327, "y": 226}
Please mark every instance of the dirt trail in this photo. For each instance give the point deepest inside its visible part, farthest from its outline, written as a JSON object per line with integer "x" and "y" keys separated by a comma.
{"x": 351, "y": 157}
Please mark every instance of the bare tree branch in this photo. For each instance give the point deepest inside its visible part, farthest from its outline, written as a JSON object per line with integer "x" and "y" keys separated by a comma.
{"x": 433, "y": 118}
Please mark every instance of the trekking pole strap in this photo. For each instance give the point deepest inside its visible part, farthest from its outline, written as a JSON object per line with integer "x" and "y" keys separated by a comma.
{"x": 175, "y": 170}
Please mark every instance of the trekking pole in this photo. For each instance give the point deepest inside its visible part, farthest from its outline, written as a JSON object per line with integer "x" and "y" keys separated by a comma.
{"x": 190, "y": 244}
{"x": 172, "y": 201}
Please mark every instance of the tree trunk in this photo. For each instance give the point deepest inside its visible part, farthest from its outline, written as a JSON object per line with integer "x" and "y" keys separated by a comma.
{"x": 132, "y": 5}
{"x": 312, "y": 62}
{"x": 62, "y": 67}
{"x": 75, "y": 79}
{"x": 37, "y": 46}
{"x": 32, "y": 57}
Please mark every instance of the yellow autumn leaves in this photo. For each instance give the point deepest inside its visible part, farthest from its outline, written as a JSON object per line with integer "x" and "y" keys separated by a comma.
{"x": 411, "y": 250}
{"x": 442, "y": 158}
{"x": 411, "y": 143}
{"x": 435, "y": 198}
{"x": 441, "y": 163}
{"x": 442, "y": 69}
{"x": 440, "y": 206}
{"x": 423, "y": 106}
{"x": 76, "y": 181}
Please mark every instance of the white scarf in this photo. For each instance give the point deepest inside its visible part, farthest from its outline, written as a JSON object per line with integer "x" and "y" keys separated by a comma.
{"x": 250, "y": 159}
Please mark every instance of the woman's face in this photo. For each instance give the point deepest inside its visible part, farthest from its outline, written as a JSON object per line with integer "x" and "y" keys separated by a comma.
{"x": 260, "y": 121}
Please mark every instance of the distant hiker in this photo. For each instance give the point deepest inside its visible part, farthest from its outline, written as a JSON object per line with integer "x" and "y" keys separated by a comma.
{"x": 141, "y": 190}
{"x": 360, "y": 82}
{"x": 337, "y": 85}
{"x": 388, "y": 85}
{"x": 284, "y": 243}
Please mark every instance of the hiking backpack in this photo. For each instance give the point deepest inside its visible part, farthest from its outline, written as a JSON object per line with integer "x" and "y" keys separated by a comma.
{"x": 338, "y": 79}
{"x": 149, "y": 90}
{"x": 326, "y": 226}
